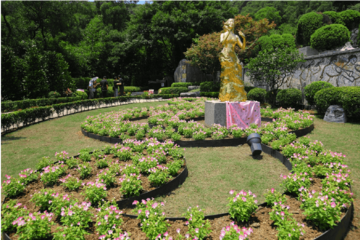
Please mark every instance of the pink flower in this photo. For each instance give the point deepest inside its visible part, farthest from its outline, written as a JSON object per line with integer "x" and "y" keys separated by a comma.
{"x": 333, "y": 204}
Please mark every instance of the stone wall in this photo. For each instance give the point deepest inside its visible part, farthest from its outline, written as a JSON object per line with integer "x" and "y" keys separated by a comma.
{"x": 187, "y": 73}
{"x": 340, "y": 68}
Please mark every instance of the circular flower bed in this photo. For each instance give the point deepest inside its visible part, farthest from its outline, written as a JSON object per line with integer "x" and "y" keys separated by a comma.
{"x": 317, "y": 190}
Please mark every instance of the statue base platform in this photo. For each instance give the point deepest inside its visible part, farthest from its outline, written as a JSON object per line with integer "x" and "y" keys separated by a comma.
{"x": 215, "y": 113}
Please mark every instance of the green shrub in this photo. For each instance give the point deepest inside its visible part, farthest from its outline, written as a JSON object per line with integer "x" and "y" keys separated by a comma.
{"x": 109, "y": 93}
{"x": 329, "y": 37}
{"x": 307, "y": 25}
{"x": 210, "y": 86}
{"x": 347, "y": 97}
{"x": 173, "y": 90}
{"x": 266, "y": 43}
{"x": 181, "y": 84}
{"x": 290, "y": 97}
{"x": 248, "y": 88}
{"x": 277, "y": 41}
{"x": 351, "y": 18}
{"x": 270, "y": 95}
{"x": 289, "y": 40}
{"x": 210, "y": 94}
{"x": 257, "y": 94}
{"x": 132, "y": 89}
{"x": 313, "y": 88}
{"x": 54, "y": 94}
{"x": 335, "y": 17}
{"x": 82, "y": 95}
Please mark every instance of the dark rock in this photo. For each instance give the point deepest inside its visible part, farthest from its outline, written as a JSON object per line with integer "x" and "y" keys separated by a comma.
{"x": 190, "y": 94}
{"x": 335, "y": 113}
{"x": 353, "y": 37}
{"x": 193, "y": 87}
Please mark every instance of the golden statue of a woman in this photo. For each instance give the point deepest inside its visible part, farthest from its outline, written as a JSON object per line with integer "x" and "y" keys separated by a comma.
{"x": 232, "y": 87}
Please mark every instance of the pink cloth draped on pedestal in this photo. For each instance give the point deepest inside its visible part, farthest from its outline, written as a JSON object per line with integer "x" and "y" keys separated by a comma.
{"x": 243, "y": 114}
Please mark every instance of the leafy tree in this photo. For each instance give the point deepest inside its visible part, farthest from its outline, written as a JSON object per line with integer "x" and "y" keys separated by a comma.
{"x": 205, "y": 53}
{"x": 270, "y": 14}
{"x": 35, "y": 82}
{"x": 12, "y": 72}
{"x": 57, "y": 74}
{"x": 273, "y": 67}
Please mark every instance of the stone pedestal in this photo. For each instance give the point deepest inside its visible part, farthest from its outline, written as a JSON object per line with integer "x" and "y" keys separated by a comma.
{"x": 215, "y": 113}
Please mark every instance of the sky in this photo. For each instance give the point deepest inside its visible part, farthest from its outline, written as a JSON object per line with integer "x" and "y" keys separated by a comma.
{"x": 140, "y": 1}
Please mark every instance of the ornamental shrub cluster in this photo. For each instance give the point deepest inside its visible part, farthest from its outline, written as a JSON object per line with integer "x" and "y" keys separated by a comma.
{"x": 173, "y": 90}
{"x": 257, "y": 94}
{"x": 329, "y": 37}
{"x": 313, "y": 88}
{"x": 347, "y": 97}
{"x": 307, "y": 25}
{"x": 270, "y": 43}
{"x": 289, "y": 97}
{"x": 185, "y": 84}
{"x": 210, "y": 86}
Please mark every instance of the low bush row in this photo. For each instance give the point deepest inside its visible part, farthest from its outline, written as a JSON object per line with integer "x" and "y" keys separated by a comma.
{"x": 173, "y": 90}
{"x": 8, "y": 106}
{"x": 185, "y": 84}
{"x": 29, "y": 115}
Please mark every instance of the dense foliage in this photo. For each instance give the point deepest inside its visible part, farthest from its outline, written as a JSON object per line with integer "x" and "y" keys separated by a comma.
{"x": 257, "y": 94}
{"x": 329, "y": 37}
{"x": 347, "y": 97}
{"x": 289, "y": 97}
{"x": 313, "y": 88}
{"x": 51, "y": 45}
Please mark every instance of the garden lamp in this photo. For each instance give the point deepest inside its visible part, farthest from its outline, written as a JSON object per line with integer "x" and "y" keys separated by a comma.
{"x": 254, "y": 141}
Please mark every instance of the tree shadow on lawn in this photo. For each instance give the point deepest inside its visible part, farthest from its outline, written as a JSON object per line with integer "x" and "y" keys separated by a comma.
{"x": 5, "y": 139}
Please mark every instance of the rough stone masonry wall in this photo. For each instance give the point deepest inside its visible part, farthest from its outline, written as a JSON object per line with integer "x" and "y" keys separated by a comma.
{"x": 340, "y": 68}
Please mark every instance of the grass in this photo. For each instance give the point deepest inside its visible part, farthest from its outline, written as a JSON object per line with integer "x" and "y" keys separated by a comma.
{"x": 213, "y": 172}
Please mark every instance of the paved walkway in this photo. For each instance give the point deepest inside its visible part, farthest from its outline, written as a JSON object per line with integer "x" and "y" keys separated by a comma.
{"x": 81, "y": 109}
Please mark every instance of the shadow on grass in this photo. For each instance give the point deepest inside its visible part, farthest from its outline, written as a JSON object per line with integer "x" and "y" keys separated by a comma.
{"x": 5, "y": 139}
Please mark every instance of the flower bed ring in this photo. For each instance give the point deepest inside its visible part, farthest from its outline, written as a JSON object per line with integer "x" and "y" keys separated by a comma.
{"x": 199, "y": 143}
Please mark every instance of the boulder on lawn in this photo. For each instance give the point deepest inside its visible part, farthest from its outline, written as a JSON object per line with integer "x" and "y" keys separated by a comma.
{"x": 335, "y": 113}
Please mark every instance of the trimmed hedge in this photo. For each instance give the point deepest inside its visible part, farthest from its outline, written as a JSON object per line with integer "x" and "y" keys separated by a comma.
{"x": 257, "y": 94}
{"x": 307, "y": 25}
{"x": 181, "y": 84}
{"x": 23, "y": 104}
{"x": 351, "y": 18}
{"x": 29, "y": 115}
{"x": 82, "y": 95}
{"x": 210, "y": 86}
{"x": 54, "y": 94}
{"x": 335, "y": 17}
{"x": 173, "y": 90}
{"x": 347, "y": 97}
{"x": 209, "y": 94}
{"x": 132, "y": 89}
{"x": 165, "y": 96}
{"x": 290, "y": 97}
{"x": 313, "y": 88}
{"x": 329, "y": 37}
